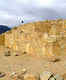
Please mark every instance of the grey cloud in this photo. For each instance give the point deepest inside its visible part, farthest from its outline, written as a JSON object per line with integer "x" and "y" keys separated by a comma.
{"x": 30, "y": 10}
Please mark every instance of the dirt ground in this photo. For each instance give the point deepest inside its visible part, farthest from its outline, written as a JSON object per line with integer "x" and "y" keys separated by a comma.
{"x": 32, "y": 64}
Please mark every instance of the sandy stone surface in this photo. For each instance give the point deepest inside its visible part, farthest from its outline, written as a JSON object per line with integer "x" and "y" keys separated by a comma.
{"x": 33, "y": 65}
{"x": 36, "y": 47}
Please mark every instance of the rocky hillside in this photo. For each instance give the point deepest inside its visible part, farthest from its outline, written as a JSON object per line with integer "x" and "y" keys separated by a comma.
{"x": 3, "y": 28}
{"x": 44, "y": 38}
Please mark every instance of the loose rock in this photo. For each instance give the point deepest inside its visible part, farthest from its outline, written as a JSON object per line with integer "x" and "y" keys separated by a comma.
{"x": 23, "y": 71}
{"x": 13, "y": 75}
{"x": 20, "y": 77}
{"x": 30, "y": 77}
{"x": 21, "y": 74}
{"x": 2, "y": 74}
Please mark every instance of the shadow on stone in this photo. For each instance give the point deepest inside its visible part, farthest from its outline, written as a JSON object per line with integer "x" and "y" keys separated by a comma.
{"x": 8, "y": 53}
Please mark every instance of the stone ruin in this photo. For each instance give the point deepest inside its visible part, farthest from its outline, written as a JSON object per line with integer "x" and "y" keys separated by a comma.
{"x": 44, "y": 38}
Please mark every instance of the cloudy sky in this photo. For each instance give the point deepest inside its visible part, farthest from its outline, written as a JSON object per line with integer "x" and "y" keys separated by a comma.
{"x": 13, "y": 11}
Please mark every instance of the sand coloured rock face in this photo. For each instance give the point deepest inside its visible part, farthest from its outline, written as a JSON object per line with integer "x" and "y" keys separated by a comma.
{"x": 45, "y": 38}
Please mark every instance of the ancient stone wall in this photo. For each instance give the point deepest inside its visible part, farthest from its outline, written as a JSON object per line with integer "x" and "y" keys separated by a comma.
{"x": 39, "y": 38}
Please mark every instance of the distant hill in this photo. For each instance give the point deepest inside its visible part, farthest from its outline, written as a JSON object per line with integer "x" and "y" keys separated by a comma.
{"x": 4, "y": 28}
